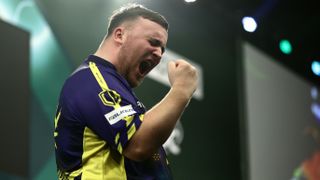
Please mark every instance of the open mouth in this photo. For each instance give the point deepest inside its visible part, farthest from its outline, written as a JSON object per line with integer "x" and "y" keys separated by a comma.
{"x": 145, "y": 67}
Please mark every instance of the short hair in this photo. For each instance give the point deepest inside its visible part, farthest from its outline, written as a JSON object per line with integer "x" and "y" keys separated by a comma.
{"x": 133, "y": 11}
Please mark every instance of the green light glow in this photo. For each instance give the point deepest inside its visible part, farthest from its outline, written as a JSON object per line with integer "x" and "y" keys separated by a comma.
{"x": 285, "y": 46}
{"x": 49, "y": 67}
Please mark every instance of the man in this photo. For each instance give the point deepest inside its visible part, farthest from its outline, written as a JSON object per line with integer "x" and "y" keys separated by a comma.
{"x": 102, "y": 131}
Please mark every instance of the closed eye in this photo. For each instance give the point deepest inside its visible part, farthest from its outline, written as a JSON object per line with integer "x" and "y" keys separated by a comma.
{"x": 157, "y": 43}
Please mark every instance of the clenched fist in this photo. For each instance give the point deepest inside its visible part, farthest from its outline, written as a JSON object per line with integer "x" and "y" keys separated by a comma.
{"x": 184, "y": 76}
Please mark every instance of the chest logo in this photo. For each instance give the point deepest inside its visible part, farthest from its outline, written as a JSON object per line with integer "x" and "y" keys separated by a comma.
{"x": 110, "y": 97}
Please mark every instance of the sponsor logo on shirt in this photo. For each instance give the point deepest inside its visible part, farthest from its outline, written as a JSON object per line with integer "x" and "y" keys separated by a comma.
{"x": 141, "y": 105}
{"x": 119, "y": 113}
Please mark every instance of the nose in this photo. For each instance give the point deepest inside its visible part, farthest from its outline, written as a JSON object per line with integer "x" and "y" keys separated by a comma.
{"x": 157, "y": 53}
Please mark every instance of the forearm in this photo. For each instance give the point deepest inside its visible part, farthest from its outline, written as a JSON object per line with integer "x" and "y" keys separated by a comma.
{"x": 157, "y": 125}
{"x": 161, "y": 119}
{"x": 159, "y": 122}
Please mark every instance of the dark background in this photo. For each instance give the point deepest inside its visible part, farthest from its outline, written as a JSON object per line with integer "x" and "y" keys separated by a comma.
{"x": 14, "y": 100}
{"x": 207, "y": 32}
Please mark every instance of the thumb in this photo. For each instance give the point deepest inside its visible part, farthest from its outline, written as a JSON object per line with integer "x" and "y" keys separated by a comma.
{"x": 171, "y": 67}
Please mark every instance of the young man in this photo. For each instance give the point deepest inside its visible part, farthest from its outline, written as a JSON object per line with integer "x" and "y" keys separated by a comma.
{"x": 102, "y": 131}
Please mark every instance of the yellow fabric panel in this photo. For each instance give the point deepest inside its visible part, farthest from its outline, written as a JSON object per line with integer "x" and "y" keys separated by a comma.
{"x": 128, "y": 119}
{"x": 117, "y": 138}
{"x": 105, "y": 89}
{"x": 55, "y": 133}
{"x": 94, "y": 69}
{"x": 69, "y": 176}
{"x": 131, "y": 131}
{"x": 99, "y": 161}
{"x": 141, "y": 117}
{"x": 120, "y": 148}
{"x": 56, "y": 119}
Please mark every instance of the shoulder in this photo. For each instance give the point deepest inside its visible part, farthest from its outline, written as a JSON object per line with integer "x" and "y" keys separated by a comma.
{"x": 79, "y": 81}
{"x": 94, "y": 78}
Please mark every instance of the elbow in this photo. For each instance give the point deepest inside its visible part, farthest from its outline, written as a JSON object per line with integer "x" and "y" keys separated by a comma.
{"x": 138, "y": 154}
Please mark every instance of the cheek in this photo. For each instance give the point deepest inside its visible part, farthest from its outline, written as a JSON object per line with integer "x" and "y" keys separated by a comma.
{"x": 142, "y": 46}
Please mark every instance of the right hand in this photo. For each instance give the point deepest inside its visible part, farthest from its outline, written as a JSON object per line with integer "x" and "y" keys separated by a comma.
{"x": 183, "y": 75}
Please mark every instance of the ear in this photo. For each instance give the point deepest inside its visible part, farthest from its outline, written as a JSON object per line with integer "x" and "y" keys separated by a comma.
{"x": 118, "y": 35}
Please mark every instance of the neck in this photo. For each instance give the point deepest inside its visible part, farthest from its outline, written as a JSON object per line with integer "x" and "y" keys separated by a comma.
{"x": 109, "y": 52}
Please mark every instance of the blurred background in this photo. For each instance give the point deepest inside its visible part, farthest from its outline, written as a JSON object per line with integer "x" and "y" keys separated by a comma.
{"x": 256, "y": 112}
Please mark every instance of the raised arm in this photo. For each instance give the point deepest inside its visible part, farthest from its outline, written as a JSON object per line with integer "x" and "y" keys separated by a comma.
{"x": 159, "y": 121}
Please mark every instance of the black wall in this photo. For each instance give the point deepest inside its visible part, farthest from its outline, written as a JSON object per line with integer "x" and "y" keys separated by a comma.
{"x": 14, "y": 103}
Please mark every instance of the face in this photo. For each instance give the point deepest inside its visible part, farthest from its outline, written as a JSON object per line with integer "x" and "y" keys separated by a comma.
{"x": 142, "y": 48}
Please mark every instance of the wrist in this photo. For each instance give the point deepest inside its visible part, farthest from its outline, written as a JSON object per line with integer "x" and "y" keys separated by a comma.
{"x": 181, "y": 94}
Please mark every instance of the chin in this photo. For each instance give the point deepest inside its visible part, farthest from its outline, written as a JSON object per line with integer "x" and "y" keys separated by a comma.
{"x": 136, "y": 83}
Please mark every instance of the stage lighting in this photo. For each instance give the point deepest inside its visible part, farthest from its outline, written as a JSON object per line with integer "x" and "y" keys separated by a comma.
{"x": 249, "y": 24}
{"x": 315, "y": 66}
{"x": 285, "y": 46}
{"x": 314, "y": 93}
{"x": 190, "y": 1}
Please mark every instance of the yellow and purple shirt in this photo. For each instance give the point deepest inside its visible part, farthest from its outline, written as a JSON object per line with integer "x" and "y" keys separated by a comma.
{"x": 97, "y": 115}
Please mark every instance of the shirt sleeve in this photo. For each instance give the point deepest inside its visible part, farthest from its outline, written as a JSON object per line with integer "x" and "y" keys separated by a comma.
{"x": 108, "y": 108}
